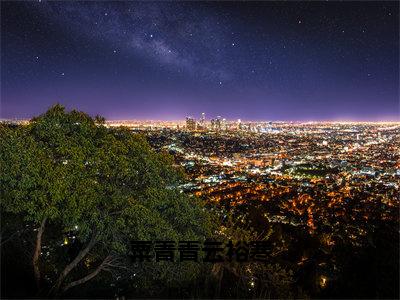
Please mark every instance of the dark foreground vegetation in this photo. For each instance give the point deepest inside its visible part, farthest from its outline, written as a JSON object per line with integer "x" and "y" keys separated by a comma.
{"x": 75, "y": 193}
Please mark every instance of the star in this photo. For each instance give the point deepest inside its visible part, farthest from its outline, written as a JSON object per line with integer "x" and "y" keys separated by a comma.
{"x": 265, "y": 60}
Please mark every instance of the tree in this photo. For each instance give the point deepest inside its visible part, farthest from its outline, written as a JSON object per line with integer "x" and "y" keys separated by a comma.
{"x": 93, "y": 189}
{"x": 267, "y": 279}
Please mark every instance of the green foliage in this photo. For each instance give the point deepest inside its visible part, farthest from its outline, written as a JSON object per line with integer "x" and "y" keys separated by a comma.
{"x": 251, "y": 279}
{"x": 96, "y": 181}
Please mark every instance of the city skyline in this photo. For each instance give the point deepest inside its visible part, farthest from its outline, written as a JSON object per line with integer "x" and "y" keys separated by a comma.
{"x": 258, "y": 61}
{"x": 209, "y": 118}
{"x": 200, "y": 149}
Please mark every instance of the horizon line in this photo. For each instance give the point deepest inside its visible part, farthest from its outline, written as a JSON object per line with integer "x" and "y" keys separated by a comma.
{"x": 233, "y": 120}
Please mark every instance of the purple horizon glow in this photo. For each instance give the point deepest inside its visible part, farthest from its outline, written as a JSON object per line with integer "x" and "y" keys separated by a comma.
{"x": 164, "y": 61}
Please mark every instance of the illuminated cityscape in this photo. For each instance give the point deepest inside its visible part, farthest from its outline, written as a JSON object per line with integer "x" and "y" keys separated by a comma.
{"x": 199, "y": 150}
{"x": 333, "y": 180}
{"x": 309, "y": 174}
{"x": 314, "y": 175}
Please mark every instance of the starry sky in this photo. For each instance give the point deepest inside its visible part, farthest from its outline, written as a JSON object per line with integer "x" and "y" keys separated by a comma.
{"x": 168, "y": 60}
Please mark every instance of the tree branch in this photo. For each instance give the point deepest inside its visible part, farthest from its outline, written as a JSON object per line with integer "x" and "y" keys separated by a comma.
{"x": 36, "y": 253}
{"x": 74, "y": 263}
{"x": 12, "y": 236}
{"x": 87, "y": 277}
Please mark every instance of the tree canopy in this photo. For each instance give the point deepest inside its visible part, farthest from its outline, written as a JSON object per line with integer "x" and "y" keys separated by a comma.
{"x": 93, "y": 189}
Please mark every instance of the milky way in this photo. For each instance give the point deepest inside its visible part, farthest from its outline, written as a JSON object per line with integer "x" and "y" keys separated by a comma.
{"x": 166, "y": 60}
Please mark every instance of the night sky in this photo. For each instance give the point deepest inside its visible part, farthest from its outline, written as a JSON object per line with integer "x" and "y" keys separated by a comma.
{"x": 168, "y": 60}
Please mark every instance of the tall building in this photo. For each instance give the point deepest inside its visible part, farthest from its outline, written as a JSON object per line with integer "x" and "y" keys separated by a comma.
{"x": 239, "y": 124}
{"x": 203, "y": 119}
{"x": 223, "y": 124}
{"x": 202, "y": 122}
{"x": 218, "y": 123}
{"x": 190, "y": 123}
